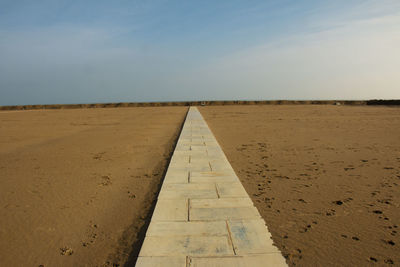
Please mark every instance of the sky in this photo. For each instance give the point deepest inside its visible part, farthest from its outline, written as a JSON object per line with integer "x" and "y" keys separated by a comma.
{"x": 60, "y": 52}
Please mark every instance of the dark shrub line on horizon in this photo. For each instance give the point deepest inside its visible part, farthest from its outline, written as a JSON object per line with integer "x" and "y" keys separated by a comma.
{"x": 206, "y": 103}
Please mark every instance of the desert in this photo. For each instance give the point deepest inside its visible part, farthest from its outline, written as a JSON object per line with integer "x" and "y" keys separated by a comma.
{"x": 78, "y": 187}
{"x": 168, "y": 133}
{"x": 325, "y": 178}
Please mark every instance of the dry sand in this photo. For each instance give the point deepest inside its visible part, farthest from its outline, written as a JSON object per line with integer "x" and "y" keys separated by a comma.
{"x": 77, "y": 187}
{"x": 325, "y": 178}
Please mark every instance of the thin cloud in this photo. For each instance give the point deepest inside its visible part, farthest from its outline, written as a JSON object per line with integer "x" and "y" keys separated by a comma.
{"x": 356, "y": 61}
{"x": 328, "y": 51}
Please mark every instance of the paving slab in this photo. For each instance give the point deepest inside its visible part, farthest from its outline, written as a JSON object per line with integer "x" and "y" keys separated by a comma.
{"x": 221, "y": 203}
{"x": 213, "y": 179}
{"x": 225, "y": 213}
{"x": 196, "y": 140}
{"x": 217, "y": 228}
{"x": 191, "y": 141}
{"x": 161, "y": 261}
{"x": 199, "y": 148}
{"x": 190, "y": 167}
{"x": 178, "y": 191}
{"x": 220, "y": 166}
{"x": 264, "y": 260}
{"x": 182, "y": 147}
{"x": 230, "y": 190}
{"x": 203, "y": 215}
{"x": 189, "y": 187}
{"x": 191, "y": 153}
{"x": 186, "y": 246}
{"x": 211, "y": 173}
{"x": 176, "y": 177}
{"x": 203, "y": 166}
{"x": 215, "y": 154}
{"x": 251, "y": 237}
{"x": 197, "y": 159}
{"x": 170, "y": 210}
{"x": 179, "y": 158}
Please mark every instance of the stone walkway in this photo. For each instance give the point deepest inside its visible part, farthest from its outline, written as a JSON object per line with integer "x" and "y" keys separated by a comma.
{"x": 203, "y": 215}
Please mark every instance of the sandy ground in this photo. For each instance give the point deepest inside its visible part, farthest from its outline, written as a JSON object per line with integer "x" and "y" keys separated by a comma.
{"x": 78, "y": 186}
{"x": 326, "y": 179}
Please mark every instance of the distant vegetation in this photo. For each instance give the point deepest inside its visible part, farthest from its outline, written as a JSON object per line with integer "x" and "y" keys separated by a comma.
{"x": 206, "y": 103}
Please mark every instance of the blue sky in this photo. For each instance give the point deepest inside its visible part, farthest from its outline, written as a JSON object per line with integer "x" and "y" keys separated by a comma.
{"x": 126, "y": 51}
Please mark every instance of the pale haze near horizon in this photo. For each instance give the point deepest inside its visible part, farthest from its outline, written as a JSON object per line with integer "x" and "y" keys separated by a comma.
{"x": 57, "y": 52}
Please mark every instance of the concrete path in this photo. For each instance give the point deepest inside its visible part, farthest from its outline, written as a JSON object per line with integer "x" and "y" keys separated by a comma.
{"x": 203, "y": 216}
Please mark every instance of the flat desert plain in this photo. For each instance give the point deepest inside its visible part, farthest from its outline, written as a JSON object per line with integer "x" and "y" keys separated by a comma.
{"x": 326, "y": 179}
{"x": 77, "y": 187}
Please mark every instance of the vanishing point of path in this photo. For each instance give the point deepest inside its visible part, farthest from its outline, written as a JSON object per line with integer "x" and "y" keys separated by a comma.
{"x": 203, "y": 216}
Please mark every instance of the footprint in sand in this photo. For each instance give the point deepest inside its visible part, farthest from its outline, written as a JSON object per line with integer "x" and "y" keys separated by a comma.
{"x": 330, "y": 213}
{"x": 389, "y": 261}
{"x": 373, "y": 259}
{"x": 98, "y": 156}
{"x": 106, "y": 180}
{"x": 389, "y": 242}
{"x": 131, "y": 195}
{"x": 66, "y": 251}
{"x": 377, "y": 211}
{"x": 92, "y": 235}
